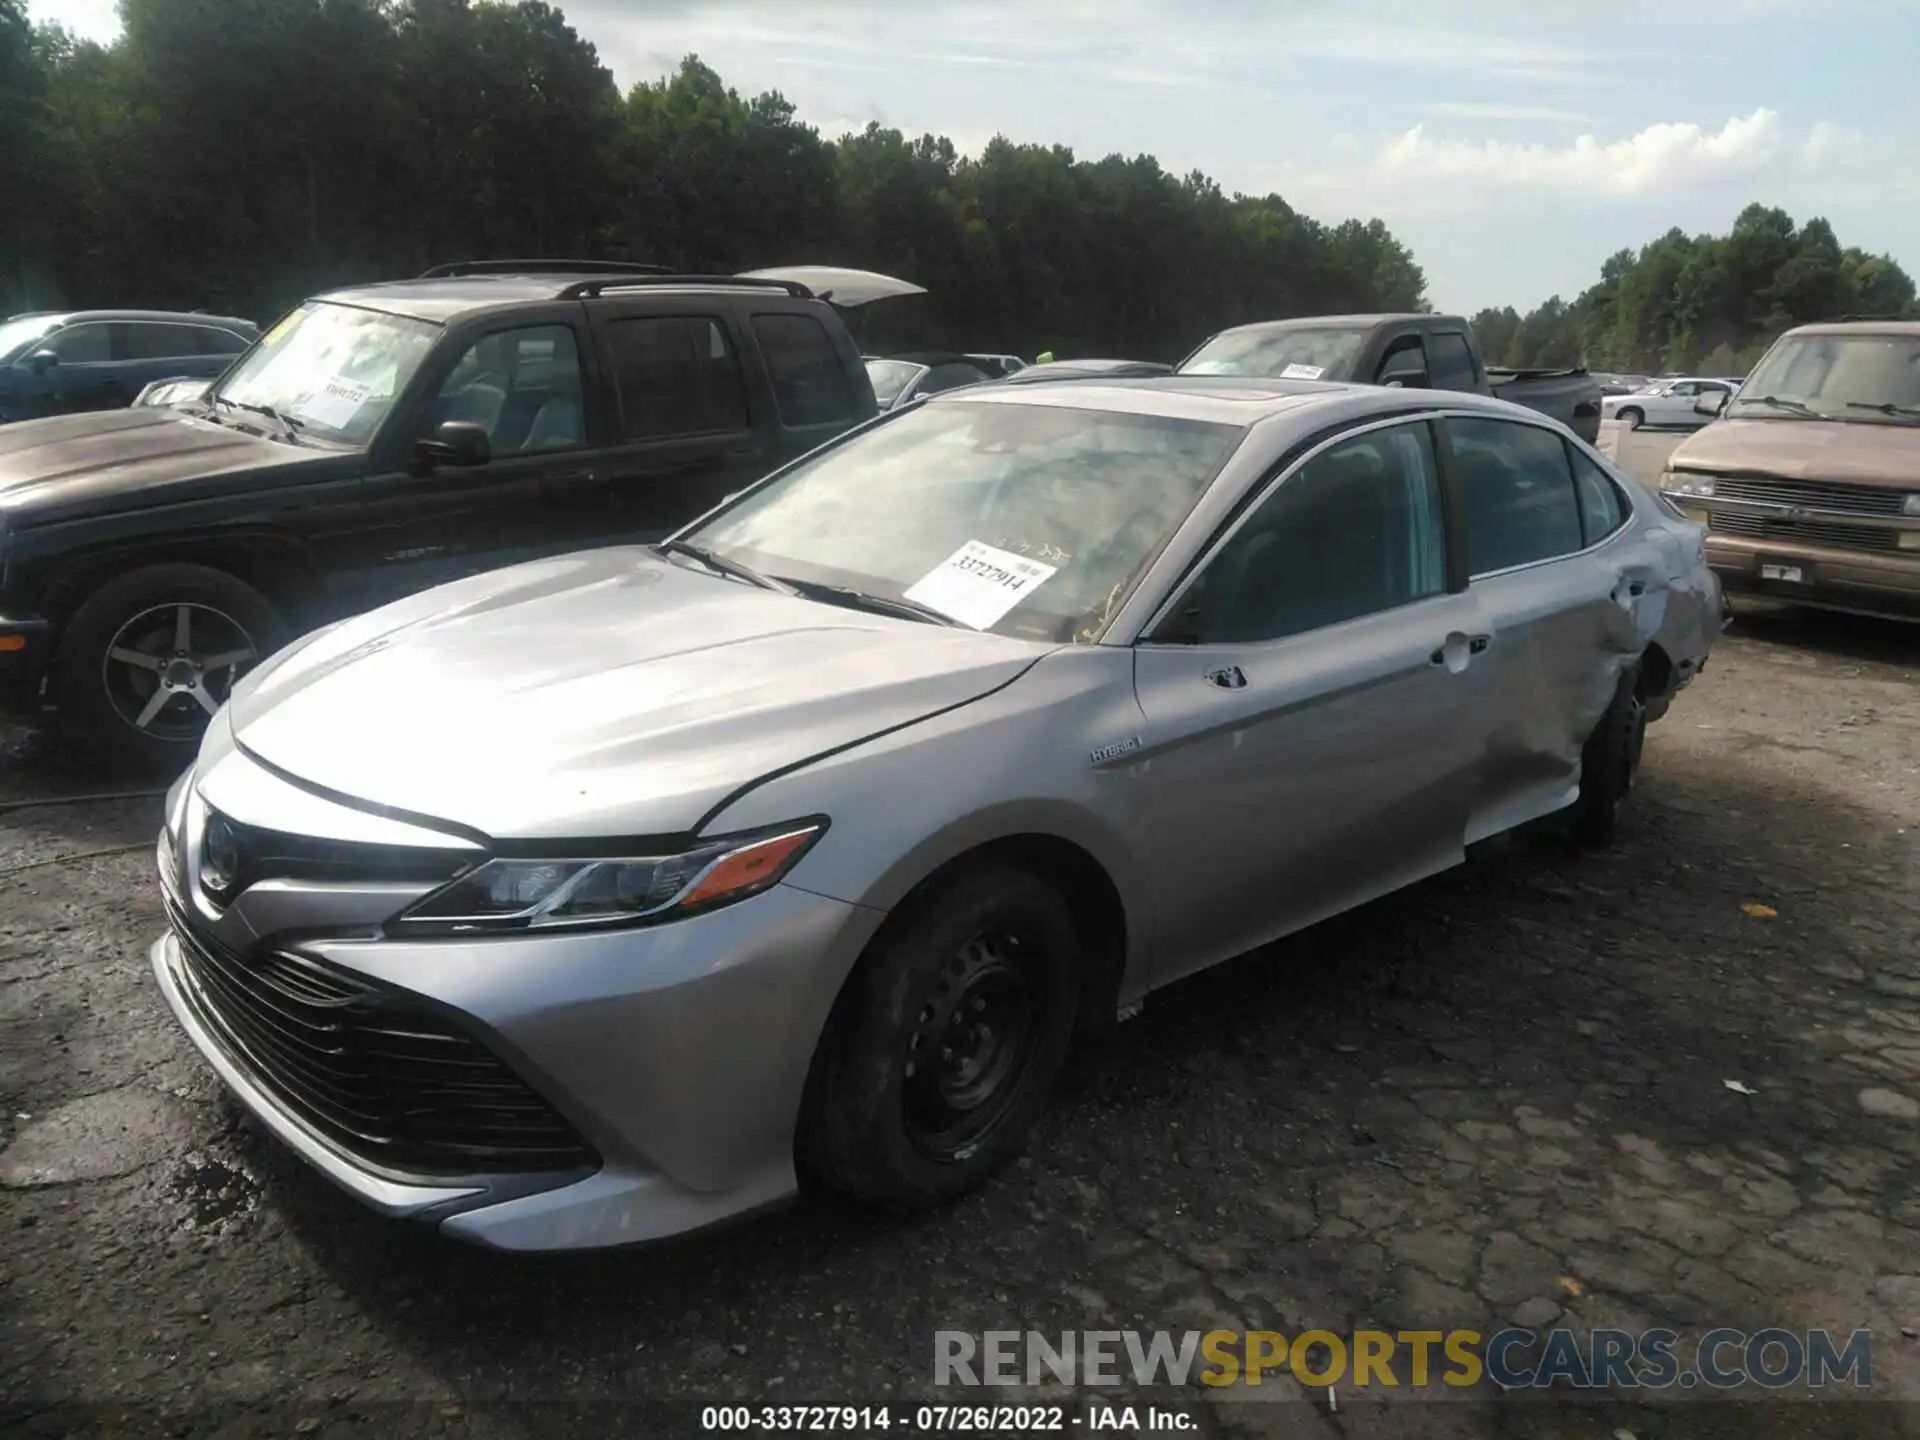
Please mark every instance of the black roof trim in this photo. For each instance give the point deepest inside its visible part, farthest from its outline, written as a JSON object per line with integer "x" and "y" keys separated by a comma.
{"x": 589, "y": 289}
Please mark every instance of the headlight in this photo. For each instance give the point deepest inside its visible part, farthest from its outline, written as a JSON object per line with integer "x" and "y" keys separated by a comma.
{"x": 1911, "y": 505}
{"x": 1682, "y": 482}
{"x": 504, "y": 895}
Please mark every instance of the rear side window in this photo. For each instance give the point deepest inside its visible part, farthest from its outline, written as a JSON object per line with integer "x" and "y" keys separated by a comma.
{"x": 1517, "y": 493}
{"x": 1451, "y": 361}
{"x": 213, "y": 341}
{"x": 143, "y": 340}
{"x": 810, "y": 384}
{"x": 1603, "y": 509}
{"x": 676, "y": 375}
{"x": 950, "y": 377}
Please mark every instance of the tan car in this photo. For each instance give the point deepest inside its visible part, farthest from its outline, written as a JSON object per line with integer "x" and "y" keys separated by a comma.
{"x": 1809, "y": 479}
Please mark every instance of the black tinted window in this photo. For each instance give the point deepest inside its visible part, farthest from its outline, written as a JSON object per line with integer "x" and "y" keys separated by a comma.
{"x": 1357, "y": 531}
{"x": 1517, "y": 489}
{"x": 809, "y": 383}
{"x": 81, "y": 344}
{"x": 1451, "y": 361}
{"x": 950, "y": 377}
{"x": 676, "y": 375}
{"x": 1404, "y": 362}
{"x": 1603, "y": 509}
{"x": 143, "y": 340}
{"x": 214, "y": 341}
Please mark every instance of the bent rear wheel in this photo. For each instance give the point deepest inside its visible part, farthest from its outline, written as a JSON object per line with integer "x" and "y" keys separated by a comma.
{"x": 946, "y": 1043}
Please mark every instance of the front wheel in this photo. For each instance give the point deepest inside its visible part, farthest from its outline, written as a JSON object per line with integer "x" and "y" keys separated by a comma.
{"x": 946, "y": 1044}
{"x": 150, "y": 656}
{"x": 1632, "y": 419}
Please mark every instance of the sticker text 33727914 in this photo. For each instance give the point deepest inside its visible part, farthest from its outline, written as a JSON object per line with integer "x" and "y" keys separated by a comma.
{"x": 979, "y": 583}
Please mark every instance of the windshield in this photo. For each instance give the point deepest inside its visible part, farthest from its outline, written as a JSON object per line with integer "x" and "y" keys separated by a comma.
{"x": 889, "y": 378}
{"x": 18, "y": 334}
{"x": 1026, "y": 520}
{"x": 1308, "y": 353}
{"x": 332, "y": 369}
{"x": 1839, "y": 377}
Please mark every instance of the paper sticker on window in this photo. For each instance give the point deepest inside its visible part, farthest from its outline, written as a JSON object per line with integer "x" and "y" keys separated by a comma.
{"x": 336, "y": 403}
{"x": 1303, "y": 372}
{"x": 977, "y": 584}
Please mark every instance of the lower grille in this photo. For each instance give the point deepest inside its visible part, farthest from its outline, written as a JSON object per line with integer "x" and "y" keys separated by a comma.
{"x": 390, "y": 1083}
{"x": 1810, "y": 532}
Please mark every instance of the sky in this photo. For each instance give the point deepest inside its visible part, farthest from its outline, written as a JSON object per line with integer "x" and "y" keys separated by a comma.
{"x": 1511, "y": 146}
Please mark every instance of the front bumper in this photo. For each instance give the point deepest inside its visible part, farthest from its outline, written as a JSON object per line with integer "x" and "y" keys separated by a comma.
{"x": 1867, "y": 582}
{"x": 679, "y": 1053}
{"x": 24, "y": 647}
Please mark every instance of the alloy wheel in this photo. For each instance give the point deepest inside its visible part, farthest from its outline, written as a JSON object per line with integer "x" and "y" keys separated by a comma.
{"x": 171, "y": 666}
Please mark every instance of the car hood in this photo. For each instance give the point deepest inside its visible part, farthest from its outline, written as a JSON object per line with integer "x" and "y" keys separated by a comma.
{"x": 605, "y": 693}
{"x": 1841, "y": 452}
{"x": 71, "y": 465}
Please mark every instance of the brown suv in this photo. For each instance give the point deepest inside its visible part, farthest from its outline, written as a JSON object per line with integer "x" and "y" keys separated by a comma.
{"x": 1809, "y": 483}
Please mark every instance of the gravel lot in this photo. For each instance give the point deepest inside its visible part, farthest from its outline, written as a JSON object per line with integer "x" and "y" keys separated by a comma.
{"x": 1426, "y": 1114}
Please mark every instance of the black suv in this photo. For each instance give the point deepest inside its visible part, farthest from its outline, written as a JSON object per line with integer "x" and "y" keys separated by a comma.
{"x": 379, "y": 440}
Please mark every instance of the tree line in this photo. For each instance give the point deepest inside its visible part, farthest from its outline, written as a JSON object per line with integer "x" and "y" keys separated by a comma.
{"x": 236, "y": 155}
{"x": 1709, "y": 304}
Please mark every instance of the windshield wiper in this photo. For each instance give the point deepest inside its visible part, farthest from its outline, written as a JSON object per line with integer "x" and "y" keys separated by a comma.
{"x": 1780, "y": 402}
{"x": 287, "y": 423}
{"x": 1885, "y": 408}
{"x": 866, "y": 600}
{"x": 720, "y": 565}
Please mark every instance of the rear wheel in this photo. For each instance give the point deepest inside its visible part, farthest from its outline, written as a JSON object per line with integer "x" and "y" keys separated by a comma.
{"x": 1610, "y": 764}
{"x": 946, "y": 1044}
{"x": 1632, "y": 419}
{"x": 150, "y": 656}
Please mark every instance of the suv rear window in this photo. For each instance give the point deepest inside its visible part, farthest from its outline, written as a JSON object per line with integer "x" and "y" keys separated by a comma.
{"x": 810, "y": 383}
{"x": 677, "y": 375}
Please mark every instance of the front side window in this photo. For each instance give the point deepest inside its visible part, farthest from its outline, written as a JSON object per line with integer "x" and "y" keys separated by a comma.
{"x": 890, "y": 377}
{"x": 522, "y": 387}
{"x": 676, "y": 375}
{"x": 1033, "y": 520}
{"x": 1356, "y": 530}
{"x": 1516, "y": 487}
{"x": 211, "y": 340}
{"x": 1854, "y": 376}
{"x": 19, "y": 338}
{"x": 334, "y": 370}
{"x": 82, "y": 344}
{"x": 1307, "y": 352}
{"x": 810, "y": 385}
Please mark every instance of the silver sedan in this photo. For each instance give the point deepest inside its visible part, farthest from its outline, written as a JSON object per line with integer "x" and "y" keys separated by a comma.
{"x": 602, "y": 898}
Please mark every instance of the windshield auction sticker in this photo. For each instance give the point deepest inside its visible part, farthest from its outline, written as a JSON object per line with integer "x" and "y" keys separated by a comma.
{"x": 337, "y": 403}
{"x": 977, "y": 584}
{"x": 1303, "y": 372}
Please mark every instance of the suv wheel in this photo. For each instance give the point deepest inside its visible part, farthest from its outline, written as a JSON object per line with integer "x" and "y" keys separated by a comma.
{"x": 150, "y": 656}
{"x": 946, "y": 1044}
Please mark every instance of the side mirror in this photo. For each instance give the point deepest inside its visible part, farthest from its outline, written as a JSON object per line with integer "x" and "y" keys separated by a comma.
{"x": 1713, "y": 403}
{"x": 41, "y": 361}
{"x": 456, "y": 442}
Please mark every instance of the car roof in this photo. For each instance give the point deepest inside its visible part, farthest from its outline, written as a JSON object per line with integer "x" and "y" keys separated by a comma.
{"x": 172, "y": 317}
{"x": 1904, "y": 329}
{"x": 1225, "y": 400}
{"x": 441, "y": 298}
{"x": 1334, "y": 322}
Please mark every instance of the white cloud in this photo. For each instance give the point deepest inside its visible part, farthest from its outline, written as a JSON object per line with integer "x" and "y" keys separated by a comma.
{"x": 1663, "y": 158}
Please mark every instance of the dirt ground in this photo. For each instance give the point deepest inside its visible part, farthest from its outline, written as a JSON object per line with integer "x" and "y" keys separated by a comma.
{"x": 1477, "y": 1096}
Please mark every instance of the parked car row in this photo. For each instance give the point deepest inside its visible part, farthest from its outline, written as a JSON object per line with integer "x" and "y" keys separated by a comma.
{"x": 1669, "y": 404}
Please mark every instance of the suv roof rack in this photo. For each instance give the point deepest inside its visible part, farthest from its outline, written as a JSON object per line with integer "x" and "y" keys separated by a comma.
{"x": 542, "y": 267}
{"x": 587, "y": 289}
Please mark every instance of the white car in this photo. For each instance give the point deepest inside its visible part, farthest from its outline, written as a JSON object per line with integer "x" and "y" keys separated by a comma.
{"x": 1665, "y": 402}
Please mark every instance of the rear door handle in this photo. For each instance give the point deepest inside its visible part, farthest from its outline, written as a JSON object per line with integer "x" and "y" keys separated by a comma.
{"x": 1478, "y": 644}
{"x": 1450, "y": 652}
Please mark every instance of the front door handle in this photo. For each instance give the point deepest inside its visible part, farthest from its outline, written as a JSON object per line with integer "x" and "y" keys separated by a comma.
{"x": 1458, "y": 650}
{"x": 1477, "y": 645}
{"x": 1228, "y": 677}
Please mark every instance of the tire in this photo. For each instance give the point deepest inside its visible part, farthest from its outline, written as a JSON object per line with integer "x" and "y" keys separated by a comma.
{"x": 146, "y": 712}
{"x": 890, "y": 1130}
{"x": 1609, "y": 764}
{"x": 1632, "y": 419}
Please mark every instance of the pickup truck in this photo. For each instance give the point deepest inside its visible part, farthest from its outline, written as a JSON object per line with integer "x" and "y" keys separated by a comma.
{"x": 379, "y": 440}
{"x": 1424, "y": 352}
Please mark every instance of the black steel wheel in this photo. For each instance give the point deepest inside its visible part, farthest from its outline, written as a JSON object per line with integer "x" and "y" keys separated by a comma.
{"x": 946, "y": 1041}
